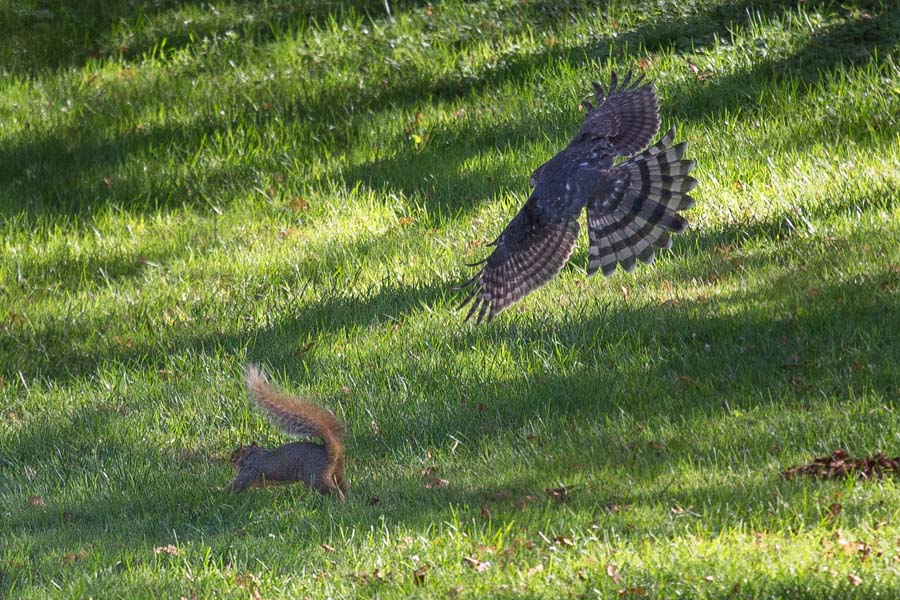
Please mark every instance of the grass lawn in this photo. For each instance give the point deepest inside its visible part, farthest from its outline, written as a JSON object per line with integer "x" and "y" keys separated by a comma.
{"x": 187, "y": 187}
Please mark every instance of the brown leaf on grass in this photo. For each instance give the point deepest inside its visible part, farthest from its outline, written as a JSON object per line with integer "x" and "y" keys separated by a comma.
{"x": 833, "y": 510}
{"x": 854, "y": 580}
{"x": 485, "y": 513}
{"x": 303, "y": 349}
{"x": 373, "y": 500}
{"x": 839, "y": 465}
{"x": 405, "y": 220}
{"x": 36, "y": 501}
{"x": 72, "y": 556}
{"x": 633, "y": 591}
{"x": 254, "y": 594}
{"x": 612, "y": 570}
{"x": 499, "y": 495}
{"x": 559, "y": 494}
{"x": 169, "y": 549}
{"x": 524, "y": 501}
{"x": 474, "y": 563}
{"x": 298, "y": 204}
{"x": 859, "y": 547}
{"x": 67, "y": 517}
{"x": 327, "y": 547}
{"x": 615, "y": 507}
{"x": 643, "y": 64}
{"x": 366, "y": 577}
{"x": 564, "y": 541}
{"x": 436, "y": 482}
{"x": 419, "y": 575}
{"x": 524, "y": 543}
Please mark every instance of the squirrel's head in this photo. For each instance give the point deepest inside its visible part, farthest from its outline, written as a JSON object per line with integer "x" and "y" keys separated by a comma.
{"x": 241, "y": 453}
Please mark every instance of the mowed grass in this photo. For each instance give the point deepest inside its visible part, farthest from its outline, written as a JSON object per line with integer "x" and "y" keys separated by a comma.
{"x": 188, "y": 187}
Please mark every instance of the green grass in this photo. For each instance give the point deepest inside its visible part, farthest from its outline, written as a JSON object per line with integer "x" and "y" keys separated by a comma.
{"x": 187, "y": 187}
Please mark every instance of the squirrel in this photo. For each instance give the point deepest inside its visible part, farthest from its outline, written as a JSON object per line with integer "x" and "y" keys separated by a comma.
{"x": 319, "y": 466}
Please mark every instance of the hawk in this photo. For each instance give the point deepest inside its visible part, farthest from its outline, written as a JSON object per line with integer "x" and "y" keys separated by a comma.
{"x": 632, "y": 206}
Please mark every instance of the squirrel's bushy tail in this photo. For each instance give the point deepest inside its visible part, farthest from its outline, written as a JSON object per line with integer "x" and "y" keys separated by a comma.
{"x": 299, "y": 417}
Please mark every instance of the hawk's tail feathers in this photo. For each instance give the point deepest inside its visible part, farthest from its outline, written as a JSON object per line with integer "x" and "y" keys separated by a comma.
{"x": 653, "y": 187}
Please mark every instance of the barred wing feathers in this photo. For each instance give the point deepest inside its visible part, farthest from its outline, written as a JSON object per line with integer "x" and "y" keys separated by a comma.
{"x": 529, "y": 253}
{"x": 641, "y": 208}
{"x": 627, "y": 114}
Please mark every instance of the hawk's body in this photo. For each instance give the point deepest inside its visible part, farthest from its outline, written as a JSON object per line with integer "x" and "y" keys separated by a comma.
{"x": 631, "y": 206}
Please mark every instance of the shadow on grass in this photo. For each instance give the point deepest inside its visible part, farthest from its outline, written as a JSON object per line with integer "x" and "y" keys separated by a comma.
{"x": 48, "y": 36}
{"x": 66, "y": 172}
{"x": 154, "y": 494}
{"x": 434, "y": 172}
{"x": 65, "y": 346}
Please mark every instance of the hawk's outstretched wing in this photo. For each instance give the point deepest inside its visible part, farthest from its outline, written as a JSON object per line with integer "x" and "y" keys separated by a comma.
{"x": 627, "y": 115}
{"x": 529, "y": 253}
{"x": 624, "y": 121}
{"x": 632, "y": 206}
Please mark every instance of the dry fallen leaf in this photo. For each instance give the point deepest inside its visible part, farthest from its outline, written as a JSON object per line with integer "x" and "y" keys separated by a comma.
{"x": 524, "y": 501}
{"x": 170, "y": 549}
{"x": 72, "y": 557}
{"x": 564, "y": 541}
{"x": 36, "y": 501}
{"x": 485, "y": 513}
{"x": 476, "y": 564}
{"x": 298, "y": 204}
{"x": 436, "y": 482}
{"x": 559, "y": 494}
{"x": 633, "y": 591}
{"x": 419, "y": 575}
{"x": 854, "y": 579}
{"x": 303, "y": 349}
{"x": 839, "y": 464}
{"x": 327, "y": 548}
{"x": 613, "y": 571}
